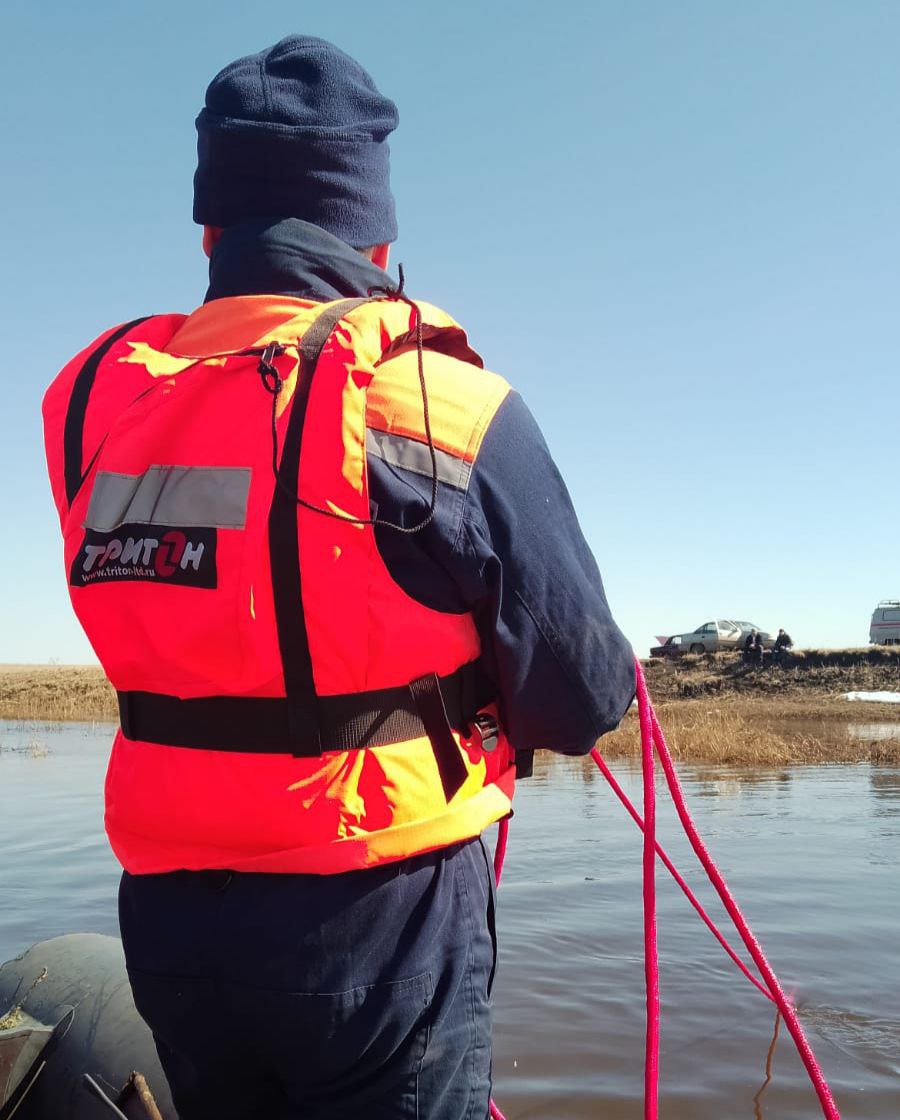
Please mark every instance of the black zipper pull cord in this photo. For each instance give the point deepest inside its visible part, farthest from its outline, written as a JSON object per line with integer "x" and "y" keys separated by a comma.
{"x": 400, "y": 294}
{"x": 270, "y": 376}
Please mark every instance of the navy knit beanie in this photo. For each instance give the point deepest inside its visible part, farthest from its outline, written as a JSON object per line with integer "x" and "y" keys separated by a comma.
{"x": 297, "y": 131}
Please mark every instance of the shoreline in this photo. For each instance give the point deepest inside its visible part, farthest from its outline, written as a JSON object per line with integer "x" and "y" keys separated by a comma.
{"x": 712, "y": 708}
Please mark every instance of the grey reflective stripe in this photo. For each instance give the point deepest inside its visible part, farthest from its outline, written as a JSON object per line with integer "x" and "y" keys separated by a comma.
{"x": 181, "y": 496}
{"x": 412, "y": 455}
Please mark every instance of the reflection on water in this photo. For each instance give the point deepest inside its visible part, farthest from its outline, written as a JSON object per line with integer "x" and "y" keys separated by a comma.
{"x": 723, "y": 782}
{"x": 873, "y": 1042}
{"x": 832, "y": 731}
{"x": 770, "y": 1058}
{"x": 885, "y": 786}
{"x": 873, "y": 732}
{"x": 812, "y": 854}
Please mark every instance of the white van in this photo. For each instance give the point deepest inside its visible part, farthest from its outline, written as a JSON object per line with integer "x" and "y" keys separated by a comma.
{"x": 884, "y": 629}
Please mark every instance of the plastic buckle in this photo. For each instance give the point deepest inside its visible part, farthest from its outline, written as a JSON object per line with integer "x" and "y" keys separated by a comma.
{"x": 488, "y": 729}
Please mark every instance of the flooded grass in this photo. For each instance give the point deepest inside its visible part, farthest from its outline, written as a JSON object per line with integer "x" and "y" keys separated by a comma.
{"x": 33, "y": 747}
{"x": 762, "y": 732}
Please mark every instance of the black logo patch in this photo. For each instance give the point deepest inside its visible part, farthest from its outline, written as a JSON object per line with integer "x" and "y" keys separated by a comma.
{"x": 147, "y": 553}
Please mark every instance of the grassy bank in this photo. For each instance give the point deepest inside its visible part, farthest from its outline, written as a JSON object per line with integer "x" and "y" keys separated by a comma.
{"x": 763, "y": 732}
{"x": 715, "y": 709}
{"x": 811, "y": 672}
{"x": 56, "y": 692}
{"x": 712, "y": 707}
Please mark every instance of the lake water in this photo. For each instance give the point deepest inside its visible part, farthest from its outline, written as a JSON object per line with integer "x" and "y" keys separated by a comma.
{"x": 812, "y": 854}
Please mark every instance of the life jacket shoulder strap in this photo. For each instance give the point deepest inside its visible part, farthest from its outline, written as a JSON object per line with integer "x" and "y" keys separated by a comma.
{"x": 290, "y": 618}
{"x": 73, "y": 431}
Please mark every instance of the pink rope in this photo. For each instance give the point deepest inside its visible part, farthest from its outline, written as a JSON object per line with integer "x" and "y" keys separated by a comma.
{"x": 826, "y": 1100}
{"x": 652, "y": 737}
{"x": 651, "y": 955}
{"x": 676, "y": 875}
{"x": 500, "y": 850}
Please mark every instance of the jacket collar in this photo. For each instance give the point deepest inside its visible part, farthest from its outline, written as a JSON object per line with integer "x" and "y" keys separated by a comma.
{"x": 270, "y": 256}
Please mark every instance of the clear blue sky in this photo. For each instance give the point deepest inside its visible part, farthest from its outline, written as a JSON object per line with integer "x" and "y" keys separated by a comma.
{"x": 673, "y": 227}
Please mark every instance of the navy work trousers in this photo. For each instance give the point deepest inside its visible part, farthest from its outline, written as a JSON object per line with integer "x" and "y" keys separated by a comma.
{"x": 363, "y": 995}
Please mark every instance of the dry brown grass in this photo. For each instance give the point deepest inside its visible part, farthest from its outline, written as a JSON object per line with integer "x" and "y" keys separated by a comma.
{"x": 743, "y": 728}
{"x": 760, "y": 733}
{"x": 56, "y": 692}
{"x": 810, "y": 706}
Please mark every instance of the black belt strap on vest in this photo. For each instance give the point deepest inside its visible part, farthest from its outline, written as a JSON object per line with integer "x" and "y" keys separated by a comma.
{"x": 429, "y": 706}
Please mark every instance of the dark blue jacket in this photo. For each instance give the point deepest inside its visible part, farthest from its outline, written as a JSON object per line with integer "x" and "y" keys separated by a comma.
{"x": 506, "y": 546}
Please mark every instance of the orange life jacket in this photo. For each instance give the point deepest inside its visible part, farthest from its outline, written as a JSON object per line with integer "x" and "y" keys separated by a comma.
{"x": 285, "y": 705}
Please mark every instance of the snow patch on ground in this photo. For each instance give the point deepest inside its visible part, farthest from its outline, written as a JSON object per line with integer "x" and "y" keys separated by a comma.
{"x": 877, "y": 697}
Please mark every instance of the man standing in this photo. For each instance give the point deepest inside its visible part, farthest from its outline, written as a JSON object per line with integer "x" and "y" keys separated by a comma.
{"x": 328, "y": 564}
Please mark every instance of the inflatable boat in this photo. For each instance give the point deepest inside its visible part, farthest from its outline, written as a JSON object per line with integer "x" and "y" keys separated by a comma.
{"x": 72, "y": 1045}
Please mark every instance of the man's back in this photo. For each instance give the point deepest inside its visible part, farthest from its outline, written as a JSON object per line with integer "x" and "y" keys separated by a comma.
{"x": 330, "y": 567}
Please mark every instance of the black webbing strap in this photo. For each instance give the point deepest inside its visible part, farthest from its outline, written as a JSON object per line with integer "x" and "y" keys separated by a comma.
{"x": 429, "y": 700}
{"x": 320, "y": 330}
{"x": 73, "y": 431}
{"x": 267, "y": 725}
{"x": 284, "y": 548}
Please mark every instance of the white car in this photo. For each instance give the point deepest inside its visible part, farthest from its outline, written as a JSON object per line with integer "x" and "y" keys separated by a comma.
{"x": 720, "y": 633}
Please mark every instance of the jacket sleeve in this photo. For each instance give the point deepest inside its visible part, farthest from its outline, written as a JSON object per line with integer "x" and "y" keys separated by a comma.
{"x": 564, "y": 669}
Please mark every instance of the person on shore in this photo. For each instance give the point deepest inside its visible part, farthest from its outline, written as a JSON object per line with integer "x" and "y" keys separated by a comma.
{"x": 748, "y": 647}
{"x": 757, "y": 649}
{"x": 329, "y": 565}
{"x": 783, "y": 643}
